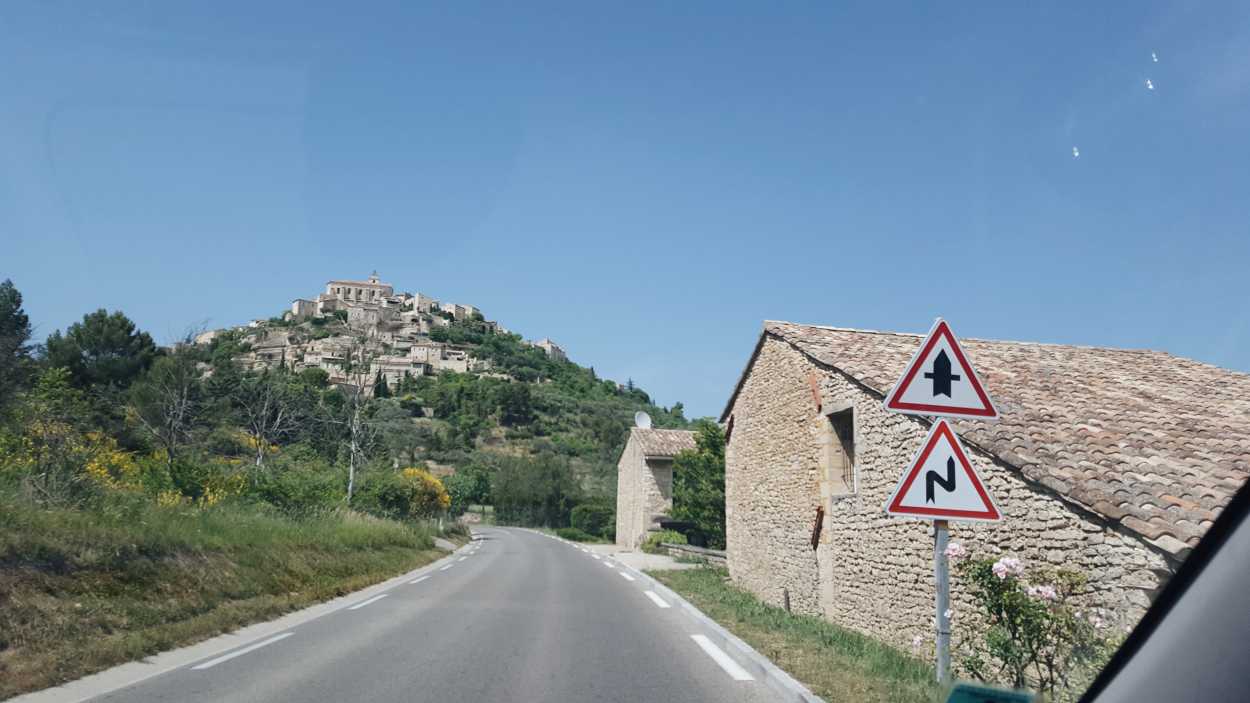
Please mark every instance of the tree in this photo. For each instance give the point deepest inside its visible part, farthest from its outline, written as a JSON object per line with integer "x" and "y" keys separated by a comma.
{"x": 516, "y": 405}
{"x": 103, "y": 350}
{"x": 50, "y": 448}
{"x": 353, "y": 413}
{"x": 15, "y": 361}
{"x": 399, "y": 433}
{"x": 699, "y": 483}
{"x": 534, "y": 491}
{"x": 271, "y": 410}
{"x": 380, "y": 388}
{"x": 167, "y": 403}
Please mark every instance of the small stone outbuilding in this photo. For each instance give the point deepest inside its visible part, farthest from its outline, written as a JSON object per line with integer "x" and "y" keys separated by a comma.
{"x": 644, "y": 481}
{"x": 1110, "y": 461}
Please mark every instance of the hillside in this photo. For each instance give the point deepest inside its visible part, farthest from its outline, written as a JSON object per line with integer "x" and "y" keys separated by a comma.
{"x": 446, "y": 386}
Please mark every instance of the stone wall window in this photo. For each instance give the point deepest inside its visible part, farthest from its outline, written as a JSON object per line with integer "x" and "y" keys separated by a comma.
{"x": 840, "y": 452}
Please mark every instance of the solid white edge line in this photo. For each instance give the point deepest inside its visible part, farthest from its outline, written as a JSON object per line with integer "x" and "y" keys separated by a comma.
{"x": 660, "y": 602}
{"x": 625, "y": 576}
{"x": 419, "y": 579}
{"x": 730, "y": 666}
{"x": 240, "y": 652}
{"x": 363, "y": 603}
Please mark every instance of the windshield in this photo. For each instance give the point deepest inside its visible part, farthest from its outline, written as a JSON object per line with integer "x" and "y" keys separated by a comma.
{"x": 623, "y": 352}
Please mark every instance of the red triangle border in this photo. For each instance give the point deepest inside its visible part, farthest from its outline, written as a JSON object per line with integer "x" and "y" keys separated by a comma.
{"x": 894, "y": 507}
{"x": 894, "y": 403}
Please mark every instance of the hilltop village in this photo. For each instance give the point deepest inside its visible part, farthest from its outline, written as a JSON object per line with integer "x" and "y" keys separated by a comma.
{"x": 357, "y": 325}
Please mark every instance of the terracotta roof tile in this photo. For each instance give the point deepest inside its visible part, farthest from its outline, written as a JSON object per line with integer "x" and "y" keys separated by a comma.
{"x": 1156, "y": 442}
{"x": 662, "y": 443}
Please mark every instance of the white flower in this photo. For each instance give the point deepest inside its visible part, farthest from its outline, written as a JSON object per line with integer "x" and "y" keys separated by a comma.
{"x": 955, "y": 551}
{"x": 1007, "y": 566}
{"x": 917, "y": 642}
{"x": 1043, "y": 592}
{"x": 949, "y": 614}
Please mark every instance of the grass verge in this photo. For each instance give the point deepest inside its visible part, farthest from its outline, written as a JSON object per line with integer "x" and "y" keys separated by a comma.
{"x": 835, "y": 663}
{"x": 83, "y": 590}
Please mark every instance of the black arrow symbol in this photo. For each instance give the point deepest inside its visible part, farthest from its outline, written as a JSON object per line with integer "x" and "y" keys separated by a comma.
{"x": 941, "y": 375}
{"x": 932, "y": 477}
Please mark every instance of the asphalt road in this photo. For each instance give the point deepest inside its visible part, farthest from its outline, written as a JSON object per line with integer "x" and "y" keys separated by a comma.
{"x": 520, "y": 617}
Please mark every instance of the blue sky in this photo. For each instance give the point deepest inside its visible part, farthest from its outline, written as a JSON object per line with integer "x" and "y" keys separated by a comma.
{"x": 644, "y": 183}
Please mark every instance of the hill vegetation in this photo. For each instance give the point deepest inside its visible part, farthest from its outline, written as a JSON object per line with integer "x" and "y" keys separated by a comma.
{"x": 150, "y": 496}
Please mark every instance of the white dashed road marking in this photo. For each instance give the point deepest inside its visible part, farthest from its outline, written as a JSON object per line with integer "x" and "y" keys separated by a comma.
{"x": 626, "y": 576}
{"x": 730, "y": 666}
{"x": 363, "y": 603}
{"x": 240, "y": 652}
{"x": 447, "y": 567}
{"x": 419, "y": 579}
{"x": 657, "y": 600}
{"x": 463, "y": 558}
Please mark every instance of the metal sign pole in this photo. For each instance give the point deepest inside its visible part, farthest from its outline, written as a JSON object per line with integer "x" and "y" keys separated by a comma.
{"x": 942, "y": 577}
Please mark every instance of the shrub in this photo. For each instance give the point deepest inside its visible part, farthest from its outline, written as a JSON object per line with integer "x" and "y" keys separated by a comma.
{"x": 652, "y": 543}
{"x": 408, "y": 494}
{"x": 575, "y": 534}
{"x": 699, "y": 484}
{"x": 596, "y": 518}
{"x": 1035, "y": 635}
{"x": 455, "y": 528}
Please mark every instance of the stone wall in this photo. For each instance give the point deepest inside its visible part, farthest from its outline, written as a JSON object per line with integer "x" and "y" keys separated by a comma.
{"x": 871, "y": 572}
{"x": 715, "y": 557}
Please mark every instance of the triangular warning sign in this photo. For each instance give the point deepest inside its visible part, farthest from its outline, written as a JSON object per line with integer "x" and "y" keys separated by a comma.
{"x": 941, "y": 484}
{"x": 940, "y": 380}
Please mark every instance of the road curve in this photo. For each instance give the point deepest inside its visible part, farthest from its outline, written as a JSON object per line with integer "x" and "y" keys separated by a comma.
{"x": 518, "y": 617}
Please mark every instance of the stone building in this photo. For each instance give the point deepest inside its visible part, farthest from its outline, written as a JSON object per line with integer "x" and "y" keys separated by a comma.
{"x": 1110, "y": 461}
{"x": 644, "y": 481}
{"x": 370, "y": 291}
{"x": 552, "y": 349}
{"x": 302, "y": 309}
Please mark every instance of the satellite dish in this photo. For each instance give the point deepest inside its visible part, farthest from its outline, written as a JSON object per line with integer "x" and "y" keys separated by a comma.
{"x": 642, "y": 420}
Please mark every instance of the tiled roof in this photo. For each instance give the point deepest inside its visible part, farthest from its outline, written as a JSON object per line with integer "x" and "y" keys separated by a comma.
{"x": 662, "y": 443}
{"x": 1152, "y": 441}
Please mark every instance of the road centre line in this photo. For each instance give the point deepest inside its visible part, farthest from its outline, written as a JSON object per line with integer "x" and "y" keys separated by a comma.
{"x": 240, "y": 652}
{"x": 657, "y": 600}
{"x": 363, "y": 603}
{"x": 626, "y": 576}
{"x": 419, "y": 579}
{"x": 730, "y": 666}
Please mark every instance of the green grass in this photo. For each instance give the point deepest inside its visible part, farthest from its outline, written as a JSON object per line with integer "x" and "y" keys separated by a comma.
{"x": 83, "y": 590}
{"x": 835, "y": 663}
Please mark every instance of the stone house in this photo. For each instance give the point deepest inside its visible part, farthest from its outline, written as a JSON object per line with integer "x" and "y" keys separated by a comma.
{"x": 550, "y": 348}
{"x": 1110, "y": 461}
{"x": 644, "y": 481}
{"x": 394, "y": 368}
{"x": 302, "y": 309}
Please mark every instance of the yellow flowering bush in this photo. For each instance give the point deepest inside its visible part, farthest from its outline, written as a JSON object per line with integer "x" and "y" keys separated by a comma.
{"x": 410, "y": 493}
{"x": 108, "y": 465}
{"x": 429, "y": 496}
